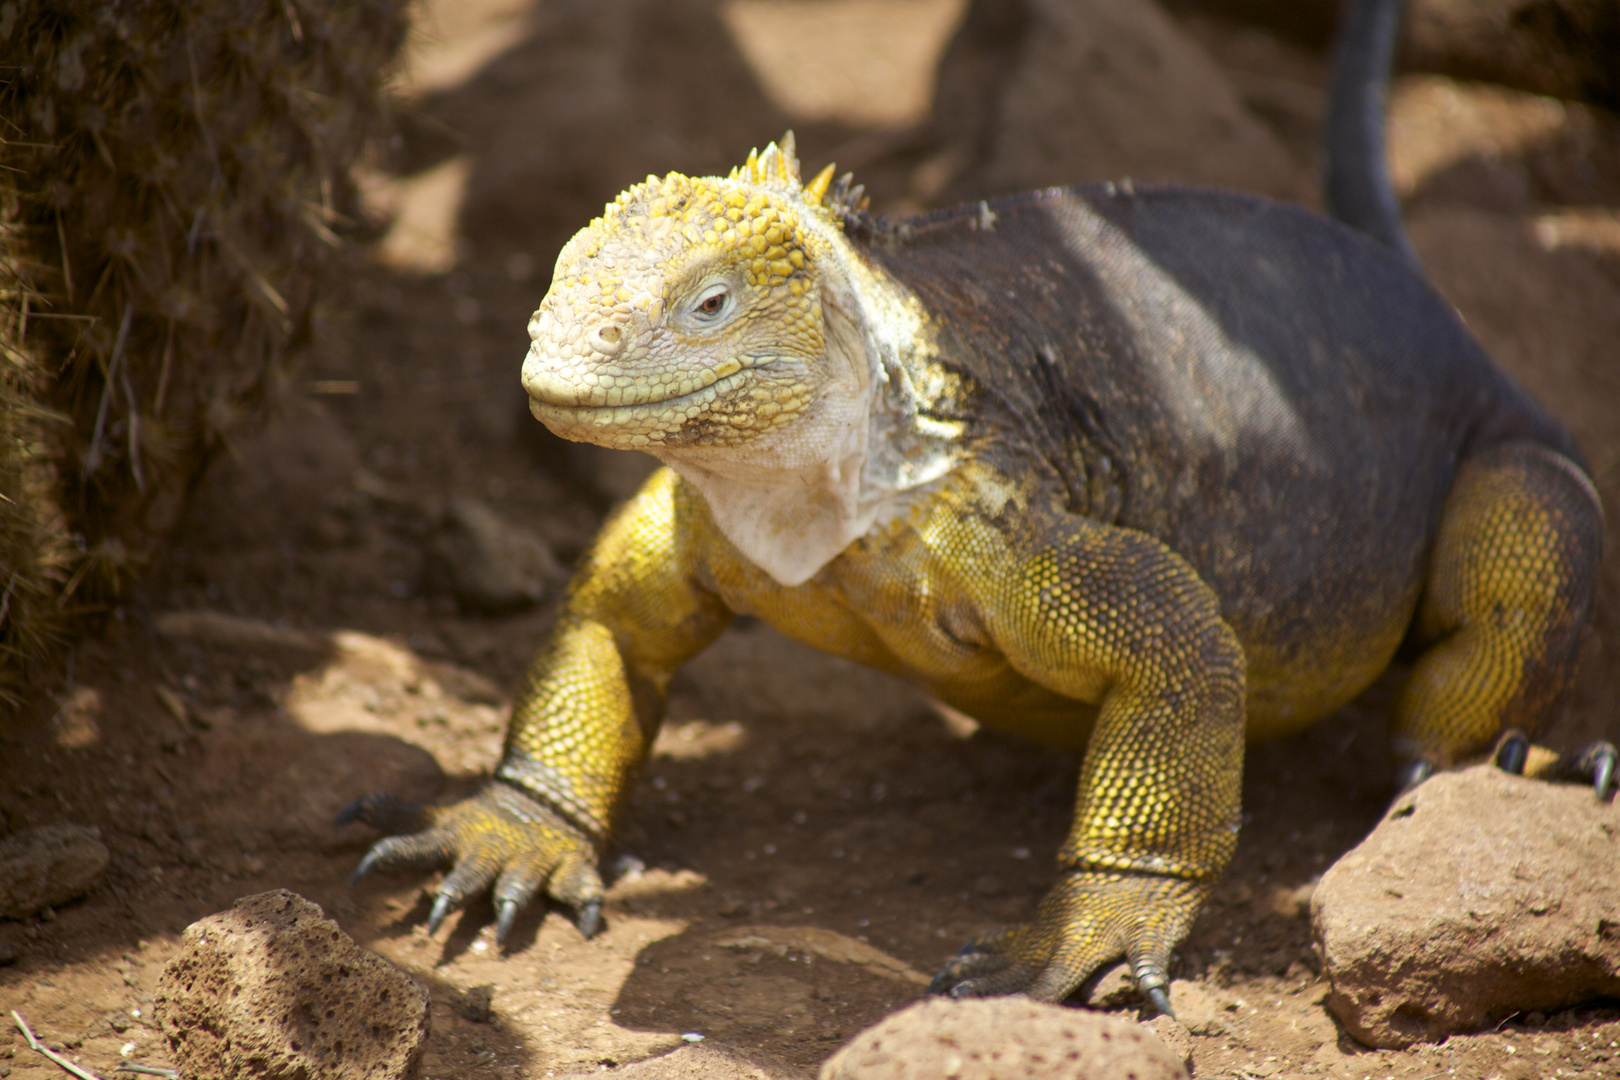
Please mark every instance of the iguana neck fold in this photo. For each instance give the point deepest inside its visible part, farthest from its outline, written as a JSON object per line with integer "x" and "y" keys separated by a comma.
{"x": 880, "y": 446}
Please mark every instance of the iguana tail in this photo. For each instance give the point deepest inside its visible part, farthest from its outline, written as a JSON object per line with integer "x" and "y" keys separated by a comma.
{"x": 1357, "y": 185}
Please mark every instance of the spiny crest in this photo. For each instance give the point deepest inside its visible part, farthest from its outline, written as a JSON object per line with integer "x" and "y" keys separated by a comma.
{"x": 773, "y": 171}
{"x": 778, "y": 166}
{"x": 758, "y": 203}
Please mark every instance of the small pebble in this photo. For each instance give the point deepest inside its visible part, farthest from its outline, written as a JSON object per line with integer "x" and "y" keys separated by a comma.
{"x": 477, "y": 1005}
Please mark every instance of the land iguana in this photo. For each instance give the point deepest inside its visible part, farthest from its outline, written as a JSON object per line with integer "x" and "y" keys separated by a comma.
{"x": 1143, "y": 471}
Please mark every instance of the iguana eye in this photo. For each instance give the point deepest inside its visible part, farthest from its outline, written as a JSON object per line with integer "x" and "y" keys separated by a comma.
{"x": 712, "y": 303}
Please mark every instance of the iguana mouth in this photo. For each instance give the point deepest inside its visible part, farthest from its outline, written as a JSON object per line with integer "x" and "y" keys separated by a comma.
{"x": 668, "y": 412}
{"x": 614, "y": 392}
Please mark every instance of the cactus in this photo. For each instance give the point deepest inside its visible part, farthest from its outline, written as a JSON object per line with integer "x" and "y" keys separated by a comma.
{"x": 176, "y": 190}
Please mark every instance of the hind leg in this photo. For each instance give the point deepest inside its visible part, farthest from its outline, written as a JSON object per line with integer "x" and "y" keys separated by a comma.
{"x": 1509, "y": 589}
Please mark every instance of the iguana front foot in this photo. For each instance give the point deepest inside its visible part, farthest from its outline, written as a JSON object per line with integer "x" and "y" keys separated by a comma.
{"x": 499, "y": 836}
{"x": 1088, "y": 919}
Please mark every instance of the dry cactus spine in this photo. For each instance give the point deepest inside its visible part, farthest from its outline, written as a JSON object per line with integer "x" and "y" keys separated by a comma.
{"x": 178, "y": 186}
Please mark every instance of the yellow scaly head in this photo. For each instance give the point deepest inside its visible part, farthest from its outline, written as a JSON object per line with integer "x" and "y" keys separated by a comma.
{"x": 689, "y": 314}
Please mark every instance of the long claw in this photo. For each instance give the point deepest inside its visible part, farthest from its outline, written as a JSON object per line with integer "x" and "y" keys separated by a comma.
{"x": 367, "y": 864}
{"x": 422, "y": 849}
{"x": 1414, "y": 774}
{"x": 505, "y": 916}
{"x": 590, "y": 919}
{"x": 1596, "y": 763}
{"x": 1603, "y": 774}
{"x": 1160, "y": 1000}
{"x": 513, "y": 890}
{"x": 947, "y": 975}
{"x": 1512, "y": 752}
{"x": 443, "y": 905}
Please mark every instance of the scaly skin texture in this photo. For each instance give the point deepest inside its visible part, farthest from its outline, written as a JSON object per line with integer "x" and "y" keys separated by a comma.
{"x": 619, "y": 365}
{"x": 1141, "y": 474}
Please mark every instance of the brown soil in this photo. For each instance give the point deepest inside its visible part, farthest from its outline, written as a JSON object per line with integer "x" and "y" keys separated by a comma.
{"x": 813, "y": 835}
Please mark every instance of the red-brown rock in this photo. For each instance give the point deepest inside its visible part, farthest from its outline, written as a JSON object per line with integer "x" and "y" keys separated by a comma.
{"x": 273, "y": 989}
{"x": 1479, "y": 895}
{"x": 1010, "y": 1038}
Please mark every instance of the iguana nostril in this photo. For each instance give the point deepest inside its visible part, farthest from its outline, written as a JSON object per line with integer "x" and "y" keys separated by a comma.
{"x": 607, "y": 339}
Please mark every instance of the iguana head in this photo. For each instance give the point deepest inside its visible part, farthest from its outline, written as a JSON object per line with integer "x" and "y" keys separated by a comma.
{"x": 727, "y": 326}
{"x": 689, "y": 316}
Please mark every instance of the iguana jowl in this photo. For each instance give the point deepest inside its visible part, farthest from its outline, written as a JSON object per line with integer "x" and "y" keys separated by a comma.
{"x": 1144, "y": 472}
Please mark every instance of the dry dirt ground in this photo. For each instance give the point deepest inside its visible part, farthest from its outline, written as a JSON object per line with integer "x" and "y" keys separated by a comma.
{"x": 809, "y": 836}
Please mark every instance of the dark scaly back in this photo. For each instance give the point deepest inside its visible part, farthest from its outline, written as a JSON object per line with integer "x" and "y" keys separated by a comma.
{"x": 1236, "y": 377}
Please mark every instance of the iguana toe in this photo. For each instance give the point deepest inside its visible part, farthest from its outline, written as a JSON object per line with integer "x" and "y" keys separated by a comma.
{"x": 443, "y": 904}
{"x": 590, "y": 919}
{"x": 422, "y": 851}
{"x": 472, "y": 874}
{"x": 1159, "y": 998}
{"x": 514, "y": 889}
{"x": 506, "y": 913}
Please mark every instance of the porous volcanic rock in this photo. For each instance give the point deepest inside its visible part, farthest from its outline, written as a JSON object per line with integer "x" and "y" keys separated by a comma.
{"x": 273, "y": 989}
{"x": 1008, "y": 1038}
{"x": 48, "y": 865}
{"x": 1479, "y": 895}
